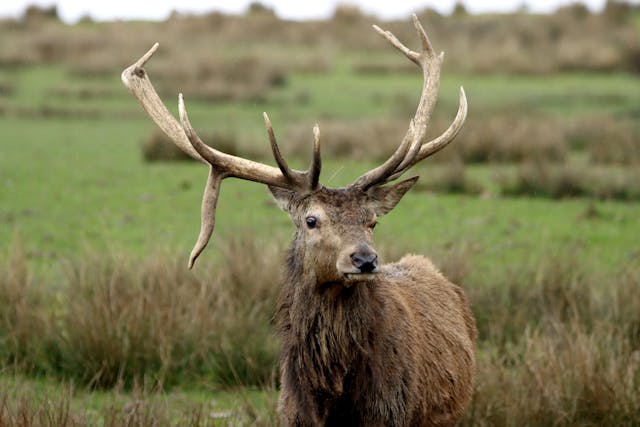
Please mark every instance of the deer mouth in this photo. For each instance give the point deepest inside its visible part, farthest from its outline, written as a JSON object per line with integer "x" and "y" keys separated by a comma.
{"x": 351, "y": 278}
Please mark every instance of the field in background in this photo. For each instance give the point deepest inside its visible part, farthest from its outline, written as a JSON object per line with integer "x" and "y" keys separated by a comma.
{"x": 533, "y": 209}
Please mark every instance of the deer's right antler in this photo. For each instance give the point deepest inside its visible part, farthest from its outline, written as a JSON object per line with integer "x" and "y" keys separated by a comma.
{"x": 221, "y": 165}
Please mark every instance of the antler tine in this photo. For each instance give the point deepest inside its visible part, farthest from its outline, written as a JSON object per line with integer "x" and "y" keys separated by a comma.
{"x": 305, "y": 180}
{"x": 412, "y": 148}
{"x": 137, "y": 81}
{"x": 414, "y": 56}
{"x": 448, "y": 135}
{"x": 397, "y": 44}
{"x": 211, "y": 189}
{"x": 426, "y": 44}
{"x": 207, "y": 213}
{"x": 380, "y": 173}
{"x": 201, "y": 148}
{"x": 316, "y": 162}
{"x": 232, "y": 166}
{"x": 429, "y": 148}
{"x": 282, "y": 163}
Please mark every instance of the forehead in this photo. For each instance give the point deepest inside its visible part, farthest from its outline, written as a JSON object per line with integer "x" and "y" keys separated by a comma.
{"x": 338, "y": 203}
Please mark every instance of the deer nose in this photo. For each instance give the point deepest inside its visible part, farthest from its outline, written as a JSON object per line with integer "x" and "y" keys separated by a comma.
{"x": 364, "y": 259}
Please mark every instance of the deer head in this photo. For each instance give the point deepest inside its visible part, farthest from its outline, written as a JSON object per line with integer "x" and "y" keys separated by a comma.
{"x": 334, "y": 236}
{"x": 334, "y": 226}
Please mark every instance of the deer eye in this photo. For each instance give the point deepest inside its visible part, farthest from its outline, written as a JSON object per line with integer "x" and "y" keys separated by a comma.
{"x": 312, "y": 222}
{"x": 373, "y": 225}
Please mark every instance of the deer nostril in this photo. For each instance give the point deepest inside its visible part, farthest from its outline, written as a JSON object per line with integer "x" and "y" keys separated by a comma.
{"x": 366, "y": 262}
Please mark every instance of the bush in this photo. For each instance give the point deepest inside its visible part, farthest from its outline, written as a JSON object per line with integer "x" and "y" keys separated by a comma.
{"x": 24, "y": 404}
{"x": 560, "y": 181}
{"x": 608, "y": 141}
{"x": 25, "y": 329}
{"x": 363, "y": 140}
{"x": 156, "y": 322}
{"x": 511, "y": 139}
{"x": 566, "y": 378}
{"x": 449, "y": 178}
{"x": 212, "y": 78}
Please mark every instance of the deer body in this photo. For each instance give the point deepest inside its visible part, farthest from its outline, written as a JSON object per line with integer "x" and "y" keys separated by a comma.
{"x": 362, "y": 343}
{"x": 378, "y": 372}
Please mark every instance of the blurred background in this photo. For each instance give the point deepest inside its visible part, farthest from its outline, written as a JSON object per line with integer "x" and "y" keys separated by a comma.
{"x": 534, "y": 208}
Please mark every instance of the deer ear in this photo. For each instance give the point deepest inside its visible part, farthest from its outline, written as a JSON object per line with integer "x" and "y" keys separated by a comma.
{"x": 383, "y": 199}
{"x": 282, "y": 196}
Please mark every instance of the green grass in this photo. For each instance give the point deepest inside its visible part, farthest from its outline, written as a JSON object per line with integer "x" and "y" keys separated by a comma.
{"x": 218, "y": 407}
{"x": 68, "y": 184}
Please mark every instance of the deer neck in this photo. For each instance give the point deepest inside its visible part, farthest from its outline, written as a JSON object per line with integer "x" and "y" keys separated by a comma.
{"x": 337, "y": 301}
{"x": 331, "y": 327}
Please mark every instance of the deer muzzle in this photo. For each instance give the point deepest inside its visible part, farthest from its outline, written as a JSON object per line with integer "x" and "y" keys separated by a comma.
{"x": 359, "y": 263}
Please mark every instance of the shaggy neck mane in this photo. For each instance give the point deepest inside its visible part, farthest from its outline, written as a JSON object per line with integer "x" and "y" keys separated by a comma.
{"x": 327, "y": 329}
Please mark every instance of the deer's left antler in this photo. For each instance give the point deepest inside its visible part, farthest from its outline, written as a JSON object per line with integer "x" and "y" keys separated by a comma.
{"x": 412, "y": 149}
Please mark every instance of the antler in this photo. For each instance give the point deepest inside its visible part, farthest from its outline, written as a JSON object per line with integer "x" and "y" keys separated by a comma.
{"x": 412, "y": 150}
{"x": 221, "y": 165}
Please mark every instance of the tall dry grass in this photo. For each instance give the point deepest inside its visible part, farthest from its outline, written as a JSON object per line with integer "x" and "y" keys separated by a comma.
{"x": 558, "y": 349}
{"x": 121, "y": 321}
{"x": 559, "y": 344}
{"x": 25, "y": 329}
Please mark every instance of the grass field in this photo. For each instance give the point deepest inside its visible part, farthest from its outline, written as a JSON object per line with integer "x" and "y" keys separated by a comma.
{"x": 73, "y": 183}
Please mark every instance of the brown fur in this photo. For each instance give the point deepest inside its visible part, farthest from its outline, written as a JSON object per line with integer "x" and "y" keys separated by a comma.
{"x": 395, "y": 350}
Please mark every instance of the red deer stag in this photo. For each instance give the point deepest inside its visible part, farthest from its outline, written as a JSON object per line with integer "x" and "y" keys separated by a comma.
{"x": 362, "y": 343}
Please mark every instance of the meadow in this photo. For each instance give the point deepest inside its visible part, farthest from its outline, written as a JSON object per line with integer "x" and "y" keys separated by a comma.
{"x": 533, "y": 210}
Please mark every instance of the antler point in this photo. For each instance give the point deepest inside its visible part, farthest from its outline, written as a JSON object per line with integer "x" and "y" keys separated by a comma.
{"x": 182, "y": 109}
